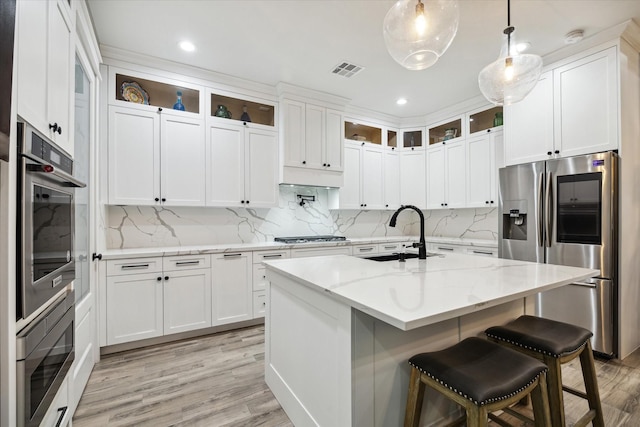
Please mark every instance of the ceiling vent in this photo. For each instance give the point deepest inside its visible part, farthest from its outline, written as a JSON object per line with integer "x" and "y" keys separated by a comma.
{"x": 347, "y": 70}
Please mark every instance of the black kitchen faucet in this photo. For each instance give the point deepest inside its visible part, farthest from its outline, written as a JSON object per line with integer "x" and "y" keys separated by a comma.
{"x": 422, "y": 247}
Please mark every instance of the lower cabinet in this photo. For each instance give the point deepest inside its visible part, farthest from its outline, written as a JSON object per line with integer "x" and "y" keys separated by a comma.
{"x": 232, "y": 287}
{"x": 151, "y": 297}
{"x": 260, "y": 278}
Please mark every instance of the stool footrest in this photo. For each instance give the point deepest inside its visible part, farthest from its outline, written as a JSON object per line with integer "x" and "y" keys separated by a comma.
{"x": 518, "y": 415}
{"x": 575, "y": 392}
{"x": 586, "y": 419}
{"x": 499, "y": 421}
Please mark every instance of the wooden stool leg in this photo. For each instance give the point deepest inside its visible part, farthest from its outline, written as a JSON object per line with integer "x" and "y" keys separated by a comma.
{"x": 477, "y": 416}
{"x": 414, "y": 400}
{"x": 554, "y": 387}
{"x": 539, "y": 396}
{"x": 591, "y": 384}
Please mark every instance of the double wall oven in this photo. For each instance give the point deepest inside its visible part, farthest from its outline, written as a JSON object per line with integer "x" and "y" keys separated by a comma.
{"x": 45, "y": 309}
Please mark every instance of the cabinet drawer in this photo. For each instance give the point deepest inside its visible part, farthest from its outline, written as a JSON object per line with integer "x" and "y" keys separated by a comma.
{"x": 445, "y": 248}
{"x": 364, "y": 250}
{"x": 259, "y": 256}
{"x": 393, "y": 247}
{"x": 259, "y": 304}
{"x": 182, "y": 262}
{"x": 482, "y": 251}
{"x": 118, "y": 267}
{"x": 301, "y": 253}
{"x": 259, "y": 277}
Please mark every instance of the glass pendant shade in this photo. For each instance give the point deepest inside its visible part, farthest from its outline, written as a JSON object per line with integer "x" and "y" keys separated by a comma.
{"x": 417, "y": 34}
{"x": 512, "y": 76}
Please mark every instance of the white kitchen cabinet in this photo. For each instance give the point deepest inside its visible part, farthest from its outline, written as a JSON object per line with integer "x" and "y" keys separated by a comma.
{"x": 364, "y": 250}
{"x": 446, "y": 175}
{"x": 152, "y": 297}
{"x": 260, "y": 278}
{"x": 572, "y": 110}
{"x": 232, "y": 289}
{"x": 391, "y": 178}
{"x": 413, "y": 178}
{"x": 363, "y": 177}
{"x": 186, "y": 293}
{"x": 155, "y": 158}
{"x": 484, "y": 158}
{"x": 44, "y": 68}
{"x": 242, "y": 166}
{"x": 321, "y": 251}
{"x": 313, "y": 136}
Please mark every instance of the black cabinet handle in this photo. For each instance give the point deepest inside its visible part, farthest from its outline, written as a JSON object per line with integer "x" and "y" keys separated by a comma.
{"x": 412, "y": 148}
{"x": 166, "y": 277}
{"x": 549, "y": 153}
{"x": 486, "y": 202}
{"x": 159, "y": 279}
{"x": 164, "y": 200}
{"x": 488, "y": 130}
{"x": 386, "y": 206}
{"x": 56, "y": 128}
{"x": 159, "y": 109}
{"x": 96, "y": 256}
{"x": 557, "y": 152}
{"x": 157, "y": 199}
{"x": 244, "y": 123}
{"x": 304, "y": 162}
{"x": 324, "y": 164}
{"x": 247, "y": 202}
{"x": 393, "y": 148}
{"x": 328, "y": 165}
{"x": 242, "y": 201}
{"x": 491, "y": 202}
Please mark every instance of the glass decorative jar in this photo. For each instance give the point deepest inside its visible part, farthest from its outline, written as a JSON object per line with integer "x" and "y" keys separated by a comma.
{"x": 497, "y": 120}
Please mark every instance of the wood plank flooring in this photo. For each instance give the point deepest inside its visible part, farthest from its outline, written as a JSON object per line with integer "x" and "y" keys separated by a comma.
{"x": 218, "y": 380}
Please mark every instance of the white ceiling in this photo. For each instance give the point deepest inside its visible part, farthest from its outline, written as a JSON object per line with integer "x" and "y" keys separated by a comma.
{"x": 300, "y": 41}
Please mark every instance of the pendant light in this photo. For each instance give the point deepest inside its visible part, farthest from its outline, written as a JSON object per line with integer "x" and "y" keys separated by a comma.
{"x": 417, "y": 33}
{"x": 513, "y": 75}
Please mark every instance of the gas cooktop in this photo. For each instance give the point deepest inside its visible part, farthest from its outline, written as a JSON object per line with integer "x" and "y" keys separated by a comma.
{"x": 310, "y": 239}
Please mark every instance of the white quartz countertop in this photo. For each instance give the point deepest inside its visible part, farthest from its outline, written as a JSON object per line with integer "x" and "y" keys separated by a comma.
{"x": 257, "y": 246}
{"x": 422, "y": 292}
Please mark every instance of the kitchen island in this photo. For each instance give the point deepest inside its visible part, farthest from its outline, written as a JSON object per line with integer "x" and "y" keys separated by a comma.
{"x": 340, "y": 329}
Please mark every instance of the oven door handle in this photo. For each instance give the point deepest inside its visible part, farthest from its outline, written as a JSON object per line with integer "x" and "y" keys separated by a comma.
{"x": 44, "y": 167}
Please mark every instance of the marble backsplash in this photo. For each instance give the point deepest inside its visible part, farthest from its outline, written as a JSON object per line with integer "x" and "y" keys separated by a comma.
{"x": 151, "y": 226}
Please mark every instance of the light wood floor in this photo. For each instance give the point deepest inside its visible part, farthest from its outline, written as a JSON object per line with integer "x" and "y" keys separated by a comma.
{"x": 218, "y": 380}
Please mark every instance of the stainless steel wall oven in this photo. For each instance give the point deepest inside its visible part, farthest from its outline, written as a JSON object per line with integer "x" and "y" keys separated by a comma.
{"x": 44, "y": 353}
{"x": 45, "y": 221}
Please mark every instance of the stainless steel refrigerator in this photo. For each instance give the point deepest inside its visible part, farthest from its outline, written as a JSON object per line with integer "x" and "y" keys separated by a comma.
{"x": 565, "y": 211}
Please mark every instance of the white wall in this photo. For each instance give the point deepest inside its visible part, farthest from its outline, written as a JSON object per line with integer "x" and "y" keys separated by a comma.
{"x": 146, "y": 226}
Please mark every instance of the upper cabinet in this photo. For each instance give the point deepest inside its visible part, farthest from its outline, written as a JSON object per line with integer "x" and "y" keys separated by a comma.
{"x": 44, "y": 68}
{"x": 413, "y": 138}
{"x": 572, "y": 110}
{"x": 484, "y": 120}
{"x": 443, "y": 132}
{"x": 248, "y": 112}
{"x": 312, "y": 136}
{"x": 484, "y": 158}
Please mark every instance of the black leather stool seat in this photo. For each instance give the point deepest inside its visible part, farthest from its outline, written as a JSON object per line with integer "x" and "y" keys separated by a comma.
{"x": 542, "y": 335}
{"x": 479, "y": 370}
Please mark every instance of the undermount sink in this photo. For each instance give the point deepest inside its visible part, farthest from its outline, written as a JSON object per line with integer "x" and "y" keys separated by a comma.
{"x": 396, "y": 257}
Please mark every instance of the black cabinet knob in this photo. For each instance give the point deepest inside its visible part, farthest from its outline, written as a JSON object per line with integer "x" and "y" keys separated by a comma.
{"x": 164, "y": 200}
{"x": 386, "y": 206}
{"x": 244, "y": 123}
{"x": 157, "y": 199}
{"x": 365, "y": 205}
{"x": 166, "y": 277}
{"x": 446, "y": 204}
{"x": 362, "y": 143}
{"x": 412, "y": 148}
{"x": 486, "y": 202}
{"x": 488, "y": 130}
{"x": 557, "y": 152}
{"x": 96, "y": 256}
{"x": 159, "y": 279}
{"x": 492, "y": 202}
{"x": 247, "y": 202}
{"x": 159, "y": 109}
{"x": 393, "y": 148}
{"x": 328, "y": 165}
{"x": 549, "y": 153}
{"x": 324, "y": 164}
{"x": 304, "y": 162}
{"x": 242, "y": 201}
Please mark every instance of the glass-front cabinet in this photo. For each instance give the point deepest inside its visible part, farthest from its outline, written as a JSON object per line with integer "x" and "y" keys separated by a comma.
{"x": 412, "y": 138}
{"x": 442, "y": 132}
{"x": 484, "y": 120}
{"x": 392, "y": 139}
{"x": 246, "y": 111}
{"x": 362, "y": 132}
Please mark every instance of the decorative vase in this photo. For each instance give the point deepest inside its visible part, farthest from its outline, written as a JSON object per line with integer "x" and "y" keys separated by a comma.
{"x": 497, "y": 120}
{"x": 245, "y": 116}
{"x": 178, "y": 105}
{"x": 222, "y": 112}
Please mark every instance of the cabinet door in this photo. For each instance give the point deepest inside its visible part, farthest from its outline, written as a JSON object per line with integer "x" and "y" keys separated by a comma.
{"x": 183, "y": 161}
{"x": 391, "y": 179}
{"x": 350, "y": 191}
{"x": 435, "y": 177}
{"x": 529, "y": 125}
{"x": 59, "y": 75}
{"x": 413, "y": 178}
{"x": 314, "y": 137}
{"x": 261, "y": 169}
{"x": 231, "y": 288}
{"x": 225, "y": 166}
{"x": 586, "y": 107}
{"x": 480, "y": 170}
{"x": 372, "y": 177}
{"x": 187, "y": 300}
{"x": 134, "y": 156}
{"x": 134, "y": 307}
{"x": 455, "y": 177}
{"x": 293, "y": 128}
{"x": 334, "y": 140}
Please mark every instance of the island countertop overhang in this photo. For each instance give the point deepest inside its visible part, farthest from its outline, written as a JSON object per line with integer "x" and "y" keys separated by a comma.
{"x": 421, "y": 292}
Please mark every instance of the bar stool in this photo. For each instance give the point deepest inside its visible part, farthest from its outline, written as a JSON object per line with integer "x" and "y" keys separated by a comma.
{"x": 482, "y": 377}
{"x": 555, "y": 343}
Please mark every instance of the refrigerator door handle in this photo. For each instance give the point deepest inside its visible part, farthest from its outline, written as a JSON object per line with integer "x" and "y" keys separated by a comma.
{"x": 540, "y": 211}
{"x": 548, "y": 198}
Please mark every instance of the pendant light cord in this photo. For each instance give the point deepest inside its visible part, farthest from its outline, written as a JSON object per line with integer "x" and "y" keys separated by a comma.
{"x": 508, "y": 13}
{"x": 509, "y": 28}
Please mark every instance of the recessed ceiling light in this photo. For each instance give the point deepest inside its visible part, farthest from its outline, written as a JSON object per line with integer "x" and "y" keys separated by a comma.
{"x": 401, "y": 101}
{"x": 187, "y": 46}
{"x": 521, "y": 47}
